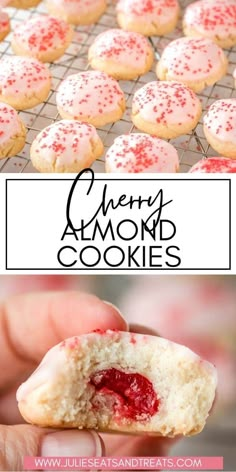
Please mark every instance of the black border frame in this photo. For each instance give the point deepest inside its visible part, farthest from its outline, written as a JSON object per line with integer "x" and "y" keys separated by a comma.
{"x": 94, "y": 269}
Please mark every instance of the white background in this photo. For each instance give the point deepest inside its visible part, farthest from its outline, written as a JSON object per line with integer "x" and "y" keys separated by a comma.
{"x": 37, "y": 219}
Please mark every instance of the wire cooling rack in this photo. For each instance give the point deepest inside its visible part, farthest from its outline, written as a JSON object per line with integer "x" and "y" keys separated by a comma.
{"x": 191, "y": 147}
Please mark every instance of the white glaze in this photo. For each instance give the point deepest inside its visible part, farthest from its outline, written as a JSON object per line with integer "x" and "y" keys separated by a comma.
{"x": 22, "y": 76}
{"x": 149, "y": 11}
{"x": 220, "y": 120}
{"x": 141, "y": 153}
{"x": 10, "y": 124}
{"x": 212, "y": 18}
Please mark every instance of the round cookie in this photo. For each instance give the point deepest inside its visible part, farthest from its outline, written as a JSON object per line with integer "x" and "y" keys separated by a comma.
{"x": 23, "y": 3}
{"x": 214, "y": 19}
{"x": 44, "y": 37}
{"x": 77, "y": 12}
{"x": 141, "y": 153}
{"x": 115, "y": 381}
{"x": 12, "y": 132}
{"x": 148, "y": 17}
{"x": 124, "y": 55}
{"x": 165, "y": 109}
{"x": 66, "y": 146}
{"x": 215, "y": 165}
{"x": 91, "y": 96}
{"x": 24, "y": 82}
{"x": 196, "y": 62}
{"x": 4, "y": 24}
{"x": 220, "y": 127}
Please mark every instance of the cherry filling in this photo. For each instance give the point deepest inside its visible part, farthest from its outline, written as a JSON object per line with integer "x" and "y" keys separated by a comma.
{"x": 133, "y": 394}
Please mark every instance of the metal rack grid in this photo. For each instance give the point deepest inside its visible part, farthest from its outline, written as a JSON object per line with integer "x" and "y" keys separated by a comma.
{"x": 191, "y": 147}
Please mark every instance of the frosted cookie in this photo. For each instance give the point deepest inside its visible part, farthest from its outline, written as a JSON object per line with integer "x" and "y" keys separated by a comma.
{"x": 66, "y": 146}
{"x": 165, "y": 109}
{"x": 91, "y": 96}
{"x": 24, "y": 82}
{"x": 148, "y": 17}
{"x": 23, "y": 3}
{"x": 124, "y": 55}
{"x": 122, "y": 382}
{"x": 4, "y": 24}
{"x": 77, "y": 12}
{"x": 196, "y": 62}
{"x": 215, "y": 165}
{"x": 12, "y": 132}
{"x": 139, "y": 153}
{"x": 44, "y": 37}
{"x": 214, "y": 19}
{"x": 220, "y": 127}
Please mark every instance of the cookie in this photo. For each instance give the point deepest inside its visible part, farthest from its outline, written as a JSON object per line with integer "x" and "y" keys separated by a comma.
{"x": 4, "y": 24}
{"x": 124, "y": 55}
{"x": 215, "y": 165}
{"x": 148, "y": 17}
{"x": 196, "y": 62}
{"x": 12, "y": 132}
{"x": 214, "y": 19}
{"x": 121, "y": 382}
{"x": 23, "y": 3}
{"x": 220, "y": 127}
{"x": 141, "y": 153}
{"x": 165, "y": 109}
{"x": 91, "y": 96}
{"x": 44, "y": 37}
{"x": 24, "y": 82}
{"x": 77, "y": 12}
{"x": 66, "y": 146}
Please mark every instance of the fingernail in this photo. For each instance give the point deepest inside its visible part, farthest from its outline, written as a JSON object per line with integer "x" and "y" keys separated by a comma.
{"x": 71, "y": 443}
{"x": 119, "y": 313}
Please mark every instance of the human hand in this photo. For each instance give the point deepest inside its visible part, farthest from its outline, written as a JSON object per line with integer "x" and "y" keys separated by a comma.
{"x": 29, "y": 326}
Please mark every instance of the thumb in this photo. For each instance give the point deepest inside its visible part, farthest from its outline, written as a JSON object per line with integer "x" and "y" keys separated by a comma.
{"x": 16, "y": 442}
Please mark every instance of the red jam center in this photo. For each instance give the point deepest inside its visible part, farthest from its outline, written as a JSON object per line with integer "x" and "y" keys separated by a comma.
{"x": 134, "y": 395}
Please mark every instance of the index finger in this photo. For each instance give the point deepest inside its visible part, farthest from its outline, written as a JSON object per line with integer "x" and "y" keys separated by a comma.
{"x": 31, "y": 324}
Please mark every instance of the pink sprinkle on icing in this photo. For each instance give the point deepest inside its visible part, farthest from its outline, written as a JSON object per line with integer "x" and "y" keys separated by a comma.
{"x": 192, "y": 59}
{"x": 4, "y": 22}
{"x": 220, "y": 120}
{"x": 156, "y": 11}
{"x": 10, "y": 124}
{"x": 212, "y": 18}
{"x": 22, "y": 76}
{"x": 139, "y": 153}
{"x": 215, "y": 165}
{"x": 166, "y": 103}
{"x": 89, "y": 93}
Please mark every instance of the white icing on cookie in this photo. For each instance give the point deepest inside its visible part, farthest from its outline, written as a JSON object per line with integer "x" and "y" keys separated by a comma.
{"x": 127, "y": 48}
{"x": 166, "y": 103}
{"x": 42, "y": 34}
{"x": 77, "y": 7}
{"x": 220, "y": 120}
{"x": 212, "y": 18}
{"x": 215, "y": 165}
{"x": 10, "y": 124}
{"x": 149, "y": 11}
{"x": 65, "y": 142}
{"x": 90, "y": 93}
{"x": 4, "y": 22}
{"x": 192, "y": 59}
{"x": 22, "y": 76}
{"x": 141, "y": 153}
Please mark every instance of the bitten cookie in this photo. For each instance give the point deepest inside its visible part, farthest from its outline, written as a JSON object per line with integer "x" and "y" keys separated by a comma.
{"x": 12, "y": 132}
{"x": 124, "y": 55}
{"x": 220, "y": 127}
{"x": 165, "y": 109}
{"x": 215, "y": 165}
{"x": 148, "y": 17}
{"x": 24, "y": 82}
{"x": 91, "y": 96}
{"x": 66, "y": 146}
{"x": 44, "y": 37}
{"x": 214, "y": 19}
{"x": 196, "y": 62}
{"x": 139, "y": 153}
{"x": 77, "y": 12}
{"x": 123, "y": 382}
{"x": 23, "y": 3}
{"x": 4, "y": 24}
